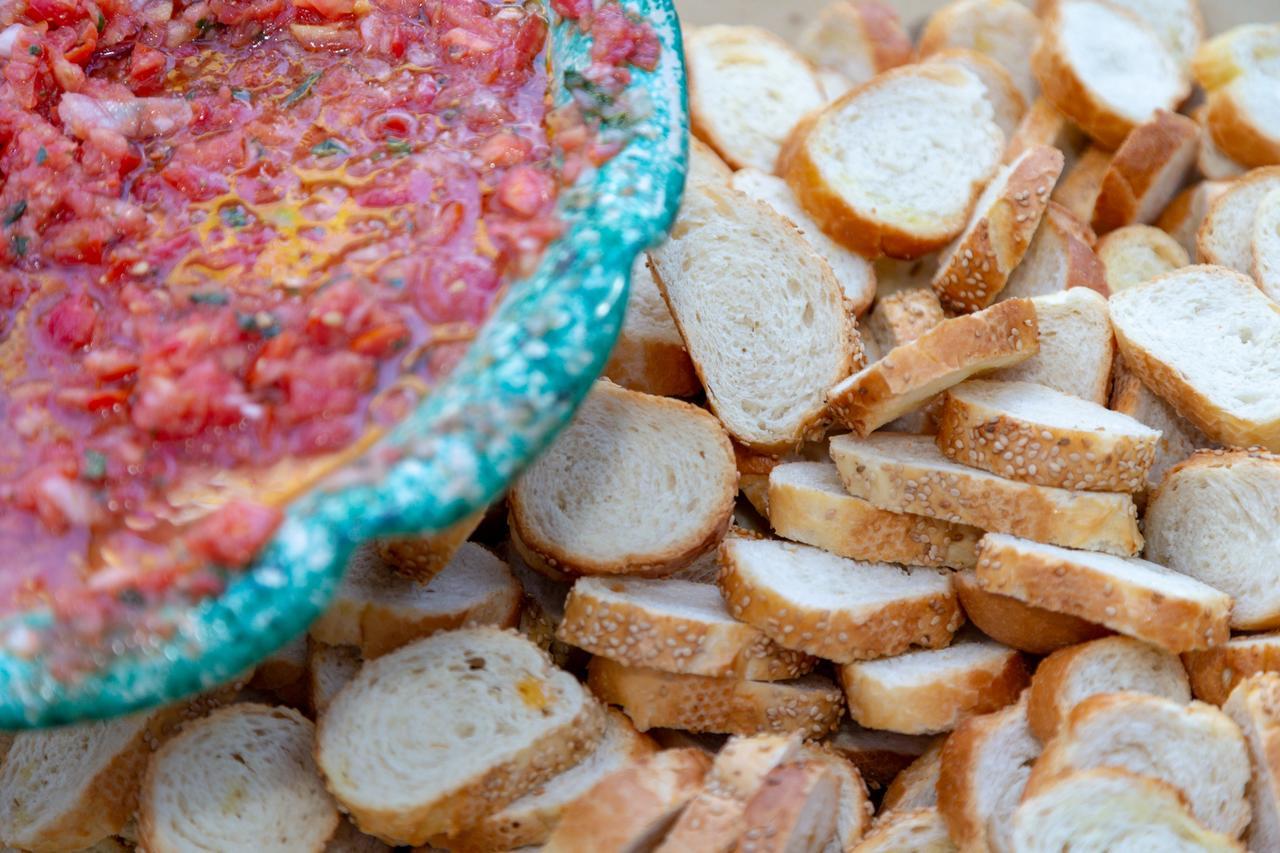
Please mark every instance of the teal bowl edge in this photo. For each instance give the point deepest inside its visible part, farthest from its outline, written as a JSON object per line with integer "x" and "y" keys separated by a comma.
{"x": 519, "y": 383}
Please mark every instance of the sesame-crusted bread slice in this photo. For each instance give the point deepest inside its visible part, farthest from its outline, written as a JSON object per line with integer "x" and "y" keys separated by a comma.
{"x": 650, "y": 355}
{"x": 1179, "y": 438}
{"x": 1214, "y": 518}
{"x": 916, "y": 787}
{"x": 907, "y": 473}
{"x": 1078, "y": 190}
{"x": 1226, "y": 235}
{"x": 1109, "y": 665}
{"x": 809, "y": 504}
{"x": 516, "y": 721}
{"x": 914, "y": 831}
{"x": 329, "y": 669}
{"x": 672, "y": 625}
{"x": 242, "y": 778}
{"x": 1183, "y": 217}
{"x": 1134, "y": 597}
{"x": 1161, "y": 738}
{"x": 1240, "y": 74}
{"x": 793, "y": 811}
{"x": 909, "y": 375}
{"x": 1019, "y": 625}
{"x": 985, "y": 765}
{"x": 932, "y": 691}
{"x": 700, "y": 703}
{"x": 856, "y": 38}
{"x": 1105, "y": 69}
{"x": 1204, "y": 339}
{"x": 729, "y": 263}
{"x": 1006, "y": 99}
{"x": 1146, "y": 171}
{"x": 941, "y": 110}
{"x": 637, "y": 485}
{"x": 1215, "y": 672}
{"x": 378, "y": 609}
{"x": 424, "y": 556}
{"x": 1255, "y": 707}
{"x": 834, "y": 608}
{"x": 1266, "y": 245}
{"x": 747, "y": 89}
{"x": 1034, "y": 434}
{"x": 855, "y": 273}
{"x": 878, "y": 756}
{"x": 976, "y": 267}
{"x": 1043, "y": 124}
{"x": 1060, "y": 257}
{"x": 1076, "y": 345}
{"x": 899, "y": 318}
{"x": 1135, "y": 254}
{"x": 1114, "y": 810}
{"x": 1002, "y": 29}
{"x": 630, "y": 810}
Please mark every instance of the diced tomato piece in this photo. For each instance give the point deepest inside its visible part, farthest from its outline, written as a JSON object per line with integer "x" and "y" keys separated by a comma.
{"x": 504, "y": 149}
{"x": 56, "y": 12}
{"x": 204, "y": 395}
{"x": 71, "y": 322}
{"x": 380, "y": 341}
{"x": 331, "y": 9}
{"x": 146, "y": 69}
{"x": 106, "y": 152}
{"x": 234, "y": 533}
{"x": 85, "y": 44}
{"x": 526, "y": 190}
{"x": 231, "y": 12}
{"x": 572, "y": 10}
{"x": 110, "y": 364}
{"x": 78, "y": 241}
{"x": 92, "y": 399}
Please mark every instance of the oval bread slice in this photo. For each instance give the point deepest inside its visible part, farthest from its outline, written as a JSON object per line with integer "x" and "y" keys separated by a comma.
{"x": 1002, "y": 29}
{"x": 1239, "y": 71}
{"x": 1006, "y": 99}
{"x": 1183, "y": 217}
{"x": 856, "y": 38}
{"x": 1266, "y": 245}
{"x": 1135, "y": 254}
{"x": 1215, "y": 672}
{"x": 1178, "y": 437}
{"x": 1019, "y": 625}
{"x": 1226, "y": 235}
{"x": 1146, "y": 171}
{"x": 650, "y": 356}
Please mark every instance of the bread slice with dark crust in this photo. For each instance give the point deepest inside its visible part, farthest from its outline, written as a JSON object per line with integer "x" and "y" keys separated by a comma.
{"x": 1019, "y": 625}
{"x": 1146, "y": 171}
{"x": 1215, "y": 672}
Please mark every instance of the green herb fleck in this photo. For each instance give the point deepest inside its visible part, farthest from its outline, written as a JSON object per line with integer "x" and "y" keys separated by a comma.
{"x": 102, "y": 22}
{"x": 34, "y": 50}
{"x": 398, "y": 147}
{"x": 204, "y": 25}
{"x": 15, "y": 212}
{"x": 41, "y": 156}
{"x": 328, "y": 147}
{"x": 19, "y": 244}
{"x": 94, "y": 467}
{"x": 214, "y": 297}
{"x": 242, "y": 95}
{"x": 233, "y": 216}
{"x": 301, "y": 92}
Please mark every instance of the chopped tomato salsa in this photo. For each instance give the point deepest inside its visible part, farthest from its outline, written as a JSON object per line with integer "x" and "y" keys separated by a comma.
{"x": 238, "y": 233}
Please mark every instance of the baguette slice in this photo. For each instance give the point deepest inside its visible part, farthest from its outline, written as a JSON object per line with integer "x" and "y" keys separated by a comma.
{"x": 1178, "y": 437}
{"x": 975, "y": 269}
{"x": 853, "y": 808}
{"x": 985, "y": 765}
{"x": 1006, "y": 99}
{"x": 674, "y": 626}
{"x": 242, "y": 778}
{"x": 1113, "y": 810}
{"x": 1203, "y": 339}
{"x": 329, "y": 669}
{"x": 833, "y": 608}
{"x": 1239, "y": 71}
{"x": 747, "y": 89}
{"x": 1266, "y": 245}
{"x": 1067, "y": 677}
{"x": 1255, "y": 707}
{"x": 907, "y": 473}
{"x": 939, "y": 109}
{"x": 1105, "y": 69}
{"x": 650, "y": 356}
{"x": 1214, "y": 518}
{"x": 1146, "y": 171}
{"x": 1060, "y": 256}
{"x": 1000, "y": 336}
{"x": 856, "y": 38}
{"x": 379, "y": 610}
{"x": 878, "y": 756}
{"x": 1034, "y": 434}
{"x": 425, "y": 556}
{"x": 1042, "y": 124}
{"x": 1179, "y": 23}
{"x": 1001, "y": 29}
{"x": 1161, "y": 738}
{"x": 932, "y": 691}
{"x": 1017, "y": 625}
{"x": 1216, "y": 672}
{"x": 1078, "y": 190}
{"x": 719, "y": 272}
{"x": 1226, "y": 235}
{"x": 1212, "y": 162}
{"x": 1135, "y": 597}
{"x": 900, "y": 317}
{"x": 579, "y": 506}
{"x": 793, "y": 811}
{"x": 699, "y": 703}
{"x": 808, "y": 504}
{"x": 917, "y": 786}
{"x": 1183, "y": 217}
{"x": 1135, "y": 254}
{"x": 915, "y": 831}
{"x": 516, "y": 722}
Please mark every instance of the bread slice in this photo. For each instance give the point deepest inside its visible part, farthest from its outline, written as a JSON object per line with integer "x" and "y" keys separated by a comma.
{"x": 242, "y": 778}
{"x": 1179, "y": 23}
{"x": 853, "y": 807}
{"x": 1006, "y": 99}
{"x": 1060, "y": 256}
{"x": 1146, "y": 171}
{"x": 1255, "y": 707}
{"x": 900, "y": 317}
{"x": 531, "y": 819}
{"x": 1112, "y": 664}
{"x": 1135, "y": 254}
{"x": 985, "y": 765}
{"x": 1076, "y": 346}
{"x": 932, "y": 691}
{"x": 1135, "y": 597}
{"x": 1042, "y": 124}
{"x": 650, "y": 355}
{"x": 855, "y": 273}
{"x": 1266, "y": 245}
{"x": 705, "y": 165}
{"x": 630, "y": 810}
{"x": 1223, "y": 387}
{"x": 1226, "y": 235}
{"x": 424, "y": 556}
{"x": 793, "y": 811}
{"x": 1239, "y": 73}
{"x": 1001, "y": 29}
{"x": 1213, "y": 164}
{"x": 917, "y": 786}
{"x": 379, "y": 610}
{"x": 907, "y": 473}
{"x": 1105, "y": 69}
{"x": 1214, "y": 518}
{"x": 329, "y": 669}
{"x": 1215, "y": 672}
{"x": 1079, "y": 188}
{"x": 1018, "y": 625}
{"x": 578, "y": 506}
{"x": 808, "y": 503}
{"x": 516, "y": 722}
{"x": 674, "y": 626}
{"x": 1113, "y": 810}
{"x": 719, "y": 271}
{"x": 914, "y": 831}
{"x": 976, "y": 267}
{"x": 1183, "y": 217}
{"x": 747, "y": 89}
{"x": 939, "y": 109}
{"x": 878, "y": 756}
{"x": 1000, "y": 336}
{"x": 1034, "y": 434}
{"x": 1178, "y": 437}
{"x": 833, "y": 608}
{"x": 856, "y": 38}
{"x": 1161, "y": 738}
{"x": 698, "y": 703}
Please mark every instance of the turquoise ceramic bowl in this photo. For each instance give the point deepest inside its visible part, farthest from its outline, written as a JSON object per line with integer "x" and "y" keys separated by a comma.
{"x": 524, "y": 375}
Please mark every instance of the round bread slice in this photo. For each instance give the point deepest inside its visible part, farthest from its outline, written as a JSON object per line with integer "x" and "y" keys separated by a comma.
{"x": 1226, "y": 235}
{"x": 636, "y": 484}
{"x": 1239, "y": 71}
{"x": 915, "y": 831}
{"x": 1005, "y": 97}
{"x": 1034, "y": 434}
{"x": 514, "y": 721}
{"x": 1215, "y": 672}
{"x": 1146, "y": 171}
{"x": 939, "y": 109}
{"x": 1105, "y": 69}
{"x": 1266, "y": 245}
{"x": 1179, "y": 23}
{"x": 1135, "y": 254}
{"x": 650, "y": 356}
{"x": 1109, "y": 665}
{"x": 1002, "y": 29}
{"x": 242, "y": 778}
{"x": 1255, "y": 706}
{"x": 856, "y": 39}
{"x": 917, "y": 786}
{"x": 1018, "y": 625}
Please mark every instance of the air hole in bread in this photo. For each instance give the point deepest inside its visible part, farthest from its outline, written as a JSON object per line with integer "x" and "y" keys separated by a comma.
{"x": 475, "y": 663}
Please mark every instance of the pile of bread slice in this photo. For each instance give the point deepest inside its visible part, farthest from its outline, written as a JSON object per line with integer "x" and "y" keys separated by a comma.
{"x": 931, "y": 501}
